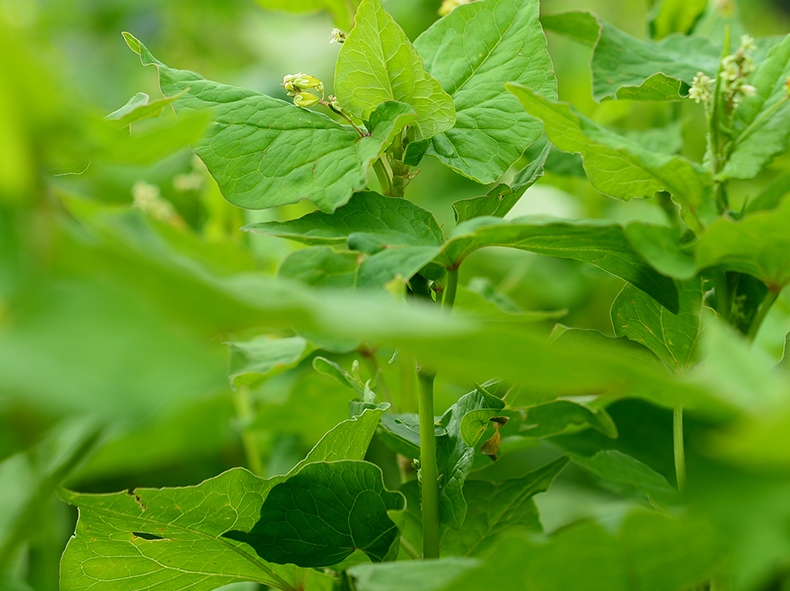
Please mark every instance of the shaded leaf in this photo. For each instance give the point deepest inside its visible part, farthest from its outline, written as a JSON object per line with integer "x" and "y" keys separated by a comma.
{"x": 662, "y": 248}
{"x": 322, "y": 513}
{"x": 501, "y": 199}
{"x": 675, "y": 16}
{"x": 561, "y": 416}
{"x": 672, "y": 337}
{"x": 377, "y": 63}
{"x": 617, "y": 166}
{"x": 472, "y": 51}
{"x": 770, "y": 197}
{"x": 264, "y": 152}
{"x": 599, "y": 242}
{"x": 495, "y": 510}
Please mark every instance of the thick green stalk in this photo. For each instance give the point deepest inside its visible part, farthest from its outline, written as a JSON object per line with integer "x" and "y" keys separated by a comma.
{"x": 384, "y": 177}
{"x": 429, "y": 473}
{"x": 680, "y": 450}
{"x": 723, "y": 303}
{"x": 245, "y": 413}
{"x": 450, "y": 290}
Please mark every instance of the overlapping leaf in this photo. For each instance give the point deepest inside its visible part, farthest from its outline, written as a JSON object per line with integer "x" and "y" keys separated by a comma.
{"x": 377, "y": 63}
{"x": 173, "y": 537}
{"x": 625, "y": 67}
{"x": 264, "y": 152}
{"x": 473, "y": 51}
{"x": 617, "y": 166}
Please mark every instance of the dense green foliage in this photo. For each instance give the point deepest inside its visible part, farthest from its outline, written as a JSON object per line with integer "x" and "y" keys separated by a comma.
{"x": 600, "y": 402}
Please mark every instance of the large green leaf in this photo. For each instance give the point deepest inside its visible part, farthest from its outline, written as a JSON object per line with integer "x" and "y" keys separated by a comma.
{"x": 249, "y": 360}
{"x": 501, "y": 199}
{"x": 172, "y": 537}
{"x": 617, "y": 166}
{"x": 673, "y": 337}
{"x": 495, "y": 510}
{"x": 341, "y": 10}
{"x": 625, "y": 67}
{"x": 761, "y": 123}
{"x": 473, "y": 51}
{"x": 377, "y": 63}
{"x": 598, "y": 242}
{"x": 758, "y": 245}
{"x": 386, "y": 221}
{"x": 264, "y": 152}
{"x": 454, "y": 455}
{"x": 322, "y": 513}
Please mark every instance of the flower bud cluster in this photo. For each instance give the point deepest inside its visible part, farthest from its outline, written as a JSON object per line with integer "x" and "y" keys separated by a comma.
{"x": 736, "y": 68}
{"x": 701, "y": 89}
{"x": 148, "y": 198}
{"x": 299, "y": 86}
{"x": 338, "y": 37}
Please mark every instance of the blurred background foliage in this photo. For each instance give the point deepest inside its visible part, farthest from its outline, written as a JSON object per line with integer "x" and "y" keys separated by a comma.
{"x": 113, "y": 362}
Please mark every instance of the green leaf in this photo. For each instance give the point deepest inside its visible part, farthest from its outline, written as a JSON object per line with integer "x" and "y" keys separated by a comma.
{"x": 321, "y": 266}
{"x": 139, "y": 107}
{"x": 391, "y": 221}
{"x": 250, "y": 360}
{"x": 673, "y": 337}
{"x": 419, "y": 575}
{"x": 617, "y": 166}
{"x": 454, "y": 457}
{"x": 264, "y": 152}
{"x": 342, "y": 11}
{"x": 473, "y": 51}
{"x": 599, "y": 242}
{"x": 675, "y": 16}
{"x": 770, "y": 197}
{"x": 495, "y": 510}
{"x": 377, "y": 63}
{"x": 562, "y": 416}
{"x": 758, "y": 245}
{"x": 175, "y": 534}
{"x": 501, "y": 199}
{"x": 662, "y": 248}
{"x": 761, "y": 123}
{"x": 322, "y": 513}
{"x": 625, "y": 67}
{"x": 624, "y": 470}
{"x": 481, "y": 301}
{"x": 401, "y": 433}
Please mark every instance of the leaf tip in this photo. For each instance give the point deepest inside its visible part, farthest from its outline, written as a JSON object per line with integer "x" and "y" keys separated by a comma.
{"x": 132, "y": 42}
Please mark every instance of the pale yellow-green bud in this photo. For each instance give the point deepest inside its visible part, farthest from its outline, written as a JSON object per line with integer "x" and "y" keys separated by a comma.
{"x": 305, "y": 99}
{"x": 449, "y": 5}
{"x": 296, "y": 83}
{"x": 701, "y": 89}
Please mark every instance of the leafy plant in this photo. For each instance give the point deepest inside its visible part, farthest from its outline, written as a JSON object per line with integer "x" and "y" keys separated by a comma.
{"x": 400, "y": 495}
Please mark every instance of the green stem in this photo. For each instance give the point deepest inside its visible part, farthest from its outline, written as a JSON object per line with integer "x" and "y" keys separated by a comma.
{"x": 450, "y": 290}
{"x": 245, "y": 413}
{"x": 762, "y": 312}
{"x": 428, "y": 468}
{"x": 723, "y": 303}
{"x": 409, "y": 549}
{"x": 680, "y": 450}
{"x": 383, "y": 176}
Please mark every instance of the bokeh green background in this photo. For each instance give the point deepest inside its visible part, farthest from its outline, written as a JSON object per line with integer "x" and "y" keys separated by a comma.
{"x": 113, "y": 367}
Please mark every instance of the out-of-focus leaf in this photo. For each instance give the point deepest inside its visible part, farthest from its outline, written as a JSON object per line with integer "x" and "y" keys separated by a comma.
{"x": 321, "y": 266}
{"x": 598, "y": 242}
{"x": 140, "y": 107}
{"x": 770, "y": 197}
{"x": 419, "y": 575}
{"x": 250, "y": 152}
{"x": 322, "y": 513}
{"x": 758, "y": 245}
{"x": 250, "y": 360}
{"x": 495, "y": 510}
{"x": 341, "y": 10}
{"x": 761, "y": 123}
{"x": 472, "y": 51}
{"x": 661, "y": 247}
{"x": 377, "y": 63}
{"x": 675, "y": 16}
{"x": 480, "y": 300}
{"x": 673, "y": 337}
{"x": 617, "y": 166}
{"x": 501, "y": 199}
{"x": 625, "y": 67}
